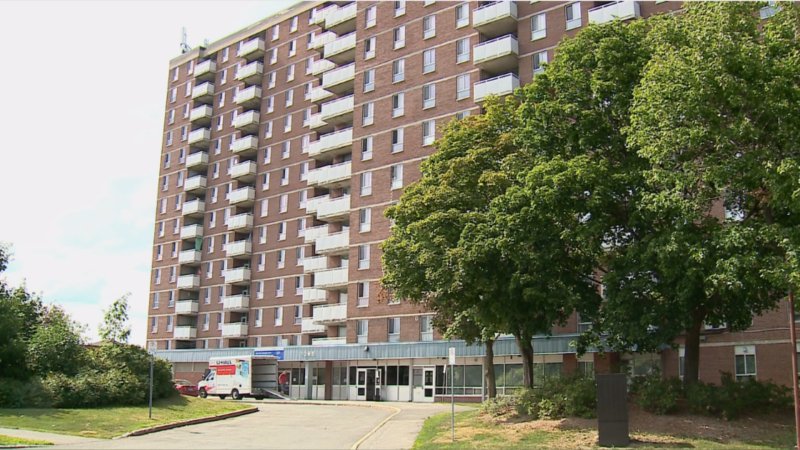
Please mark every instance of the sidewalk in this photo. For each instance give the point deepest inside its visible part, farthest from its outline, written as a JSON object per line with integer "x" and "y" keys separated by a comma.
{"x": 57, "y": 439}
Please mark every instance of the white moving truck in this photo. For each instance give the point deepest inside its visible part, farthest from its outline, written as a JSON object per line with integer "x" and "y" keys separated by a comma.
{"x": 241, "y": 376}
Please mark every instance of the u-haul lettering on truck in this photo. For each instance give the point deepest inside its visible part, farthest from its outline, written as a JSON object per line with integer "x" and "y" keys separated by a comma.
{"x": 223, "y": 362}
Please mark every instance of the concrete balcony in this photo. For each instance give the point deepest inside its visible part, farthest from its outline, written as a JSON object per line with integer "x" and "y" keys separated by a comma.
{"x": 195, "y": 184}
{"x": 321, "y": 66}
{"x": 315, "y": 264}
{"x": 249, "y": 98}
{"x": 247, "y": 122}
{"x": 311, "y": 295}
{"x": 240, "y": 222}
{"x": 334, "y": 209}
{"x": 244, "y": 171}
{"x": 342, "y": 50}
{"x": 316, "y": 123}
{"x": 331, "y": 278}
{"x": 194, "y": 208}
{"x": 236, "y": 303}
{"x": 332, "y": 144}
{"x": 251, "y": 74}
{"x": 184, "y": 332}
{"x": 314, "y": 233}
{"x": 190, "y": 257}
{"x": 239, "y": 250}
{"x": 252, "y": 49}
{"x": 234, "y": 330}
{"x": 321, "y": 15}
{"x": 318, "y": 95}
{"x": 244, "y": 196}
{"x": 341, "y": 20}
{"x": 198, "y": 160}
{"x": 618, "y": 10}
{"x": 206, "y": 70}
{"x": 186, "y": 307}
{"x": 333, "y": 244}
{"x": 329, "y": 341}
{"x": 201, "y": 116}
{"x": 339, "y": 81}
{"x": 337, "y": 175}
{"x": 239, "y": 275}
{"x": 499, "y": 86}
{"x": 200, "y": 138}
{"x": 189, "y": 282}
{"x": 203, "y": 93}
{"x": 500, "y": 55}
{"x": 308, "y": 326}
{"x": 339, "y": 111}
{"x": 313, "y": 203}
{"x": 246, "y": 146}
{"x": 191, "y": 231}
{"x": 324, "y": 38}
{"x": 330, "y": 314}
{"x": 496, "y": 19}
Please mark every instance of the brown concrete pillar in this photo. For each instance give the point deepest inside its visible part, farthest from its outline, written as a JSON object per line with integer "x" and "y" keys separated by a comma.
{"x": 328, "y": 380}
{"x": 570, "y": 363}
{"x": 609, "y": 363}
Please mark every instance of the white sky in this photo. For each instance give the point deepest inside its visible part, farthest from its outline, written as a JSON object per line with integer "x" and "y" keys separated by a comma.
{"x": 81, "y": 119}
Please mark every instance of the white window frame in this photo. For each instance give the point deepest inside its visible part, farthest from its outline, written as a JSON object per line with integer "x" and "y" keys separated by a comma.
{"x": 369, "y": 47}
{"x": 429, "y": 26}
{"x": 462, "y": 15}
{"x": 368, "y": 114}
{"x": 538, "y": 27}
{"x": 371, "y": 16}
{"x": 366, "y": 183}
{"x": 399, "y": 36}
{"x": 399, "y": 8}
{"x": 365, "y": 220}
{"x": 428, "y": 132}
{"x": 463, "y": 56}
{"x": 429, "y": 61}
{"x": 397, "y": 140}
{"x": 574, "y": 10}
{"x": 369, "y": 80}
{"x": 366, "y": 148}
{"x": 541, "y": 58}
{"x": 398, "y": 104}
{"x": 429, "y": 96}
{"x": 396, "y": 176}
{"x": 398, "y": 76}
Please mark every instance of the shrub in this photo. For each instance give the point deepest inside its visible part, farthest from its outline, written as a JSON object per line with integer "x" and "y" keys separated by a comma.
{"x": 20, "y": 394}
{"x": 733, "y": 398}
{"x": 570, "y": 396}
{"x": 656, "y": 394}
{"x": 499, "y": 406}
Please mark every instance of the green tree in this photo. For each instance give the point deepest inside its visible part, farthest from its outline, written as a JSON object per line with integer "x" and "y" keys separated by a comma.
{"x": 56, "y": 347}
{"x": 114, "y": 327}
{"x": 466, "y": 325}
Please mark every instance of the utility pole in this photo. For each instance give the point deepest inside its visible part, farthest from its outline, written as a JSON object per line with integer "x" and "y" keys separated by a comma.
{"x": 793, "y": 334}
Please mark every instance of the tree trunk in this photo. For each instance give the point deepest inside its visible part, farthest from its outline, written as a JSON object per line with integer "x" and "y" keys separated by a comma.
{"x": 488, "y": 369}
{"x": 691, "y": 360}
{"x": 525, "y": 345}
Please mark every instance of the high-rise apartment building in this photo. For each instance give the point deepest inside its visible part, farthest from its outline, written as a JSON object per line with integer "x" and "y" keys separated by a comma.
{"x": 283, "y": 145}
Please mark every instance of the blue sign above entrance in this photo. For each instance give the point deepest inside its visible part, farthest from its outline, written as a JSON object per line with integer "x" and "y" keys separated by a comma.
{"x": 278, "y": 353}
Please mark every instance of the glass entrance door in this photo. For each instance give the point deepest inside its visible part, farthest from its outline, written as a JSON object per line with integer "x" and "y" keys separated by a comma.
{"x": 361, "y": 384}
{"x": 428, "y": 384}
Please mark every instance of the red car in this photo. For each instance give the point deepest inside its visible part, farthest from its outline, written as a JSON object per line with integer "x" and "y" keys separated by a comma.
{"x": 186, "y": 388}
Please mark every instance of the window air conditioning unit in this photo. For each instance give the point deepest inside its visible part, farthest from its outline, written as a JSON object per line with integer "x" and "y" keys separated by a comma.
{"x": 245, "y": 292}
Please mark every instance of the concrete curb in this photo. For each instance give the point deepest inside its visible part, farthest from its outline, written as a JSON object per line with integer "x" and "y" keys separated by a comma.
{"x": 169, "y": 426}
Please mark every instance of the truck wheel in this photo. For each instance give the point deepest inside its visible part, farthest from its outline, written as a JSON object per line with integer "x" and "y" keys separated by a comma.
{"x": 202, "y": 393}
{"x": 222, "y": 397}
{"x": 235, "y": 395}
{"x": 259, "y": 398}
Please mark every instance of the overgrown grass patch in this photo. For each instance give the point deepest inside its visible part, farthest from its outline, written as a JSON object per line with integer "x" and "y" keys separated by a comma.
{"x": 9, "y": 440}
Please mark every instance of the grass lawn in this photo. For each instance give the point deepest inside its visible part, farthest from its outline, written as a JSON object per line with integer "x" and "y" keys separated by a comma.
{"x": 113, "y": 421}
{"x": 8, "y": 440}
{"x": 475, "y": 431}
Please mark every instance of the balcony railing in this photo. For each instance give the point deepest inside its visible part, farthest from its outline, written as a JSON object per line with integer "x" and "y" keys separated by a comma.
{"x": 329, "y": 314}
{"x": 245, "y": 145}
{"x": 313, "y": 203}
{"x": 338, "y": 111}
{"x": 502, "y": 85}
{"x": 200, "y": 138}
{"x": 329, "y": 341}
{"x": 189, "y": 257}
{"x": 247, "y": 121}
{"x": 316, "y": 123}
{"x": 237, "y": 276}
{"x": 314, "y": 233}
{"x": 496, "y": 19}
{"x": 336, "y": 242}
{"x": 331, "y": 278}
{"x": 203, "y": 92}
{"x": 332, "y": 143}
{"x": 239, "y": 248}
{"x": 198, "y": 159}
{"x": 245, "y": 170}
{"x": 311, "y": 295}
{"x": 252, "y": 49}
{"x": 188, "y": 282}
{"x": 315, "y": 264}
{"x": 201, "y": 114}
{"x": 184, "y": 332}
{"x": 334, "y": 208}
{"x": 240, "y": 222}
{"x": 342, "y": 20}
{"x": 321, "y": 39}
{"x": 330, "y": 175}
{"x": 342, "y": 50}
{"x": 319, "y": 94}
{"x": 497, "y": 55}
{"x": 205, "y": 70}
{"x": 249, "y": 97}
{"x": 308, "y": 326}
{"x": 239, "y": 302}
{"x": 252, "y": 73}
{"x": 321, "y": 15}
{"x": 244, "y": 195}
{"x": 618, "y": 10}
{"x": 186, "y": 307}
{"x": 191, "y": 231}
{"x": 237, "y": 329}
{"x": 339, "y": 80}
{"x": 321, "y": 66}
{"x": 193, "y": 208}
{"x": 195, "y": 183}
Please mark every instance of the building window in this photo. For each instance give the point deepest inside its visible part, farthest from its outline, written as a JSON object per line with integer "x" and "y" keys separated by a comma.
{"x": 538, "y": 27}
{"x": 279, "y": 287}
{"x": 363, "y": 294}
{"x": 259, "y": 315}
{"x": 173, "y": 95}
{"x": 368, "y": 113}
{"x": 426, "y": 328}
{"x": 221, "y": 100}
{"x": 262, "y": 235}
{"x": 292, "y": 48}
{"x": 428, "y": 132}
{"x": 371, "y": 16}
{"x": 366, "y": 148}
{"x": 287, "y": 123}
{"x": 362, "y": 331}
{"x": 462, "y": 15}
{"x": 428, "y": 96}
{"x": 286, "y": 150}
{"x": 301, "y": 227}
{"x": 268, "y": 130}
{"x": 298, "y": 285}
{"x": 369, "y": 80}
{"x": 270, "y": 104}
{"x": 169, "y": 137}
{"x": 429, "y": 60}
{"x": 462, "y": 50}
{"x": 428, "y": 26}
{"x": 398, "y": 70}
{"x": 302, "y": 198}
{"x": 394, "y": 329}
{"x": 154, "y": 325}
{"x": 583, "y": 326}
{"x": 538, "y": 60}
{"x": 365, "y": 220}
{"x": 284, "y": 204}
{"x": 175, "y": 74}
{"x": 397, "y": 140}
{"x": 397, "y": 176}
{"x": 306, "y": 117}
{"x": 284, "y": 176}
{"x": 293, "y": 25}
{"x": 155, "y": 300}
{"x": 745, "y": 362}
{"x": 366, "y": 183}
{"x": 573, "y": 13}
{"x": 462, "y": 86}
{"x": 225, "y": 54}
{"x": 271, "y": 80}
{"x": 363, "y": 257}
{"x": 273, "y": 58}
{"x": 290, "y": 73}
{"x": 369, "y": 48}
{"x": 282, "y": 231}
{"x": 171, "y": 117}
{"x": 398, "y": 104}
{"x": 399, "y": 8}
{"x": 300, "y": 255}
{"x": 400, "y": 37}
{"x": 298, "y": 315}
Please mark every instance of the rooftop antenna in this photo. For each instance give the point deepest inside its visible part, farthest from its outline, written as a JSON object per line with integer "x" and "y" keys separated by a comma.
{"x": 184, "y": 46}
